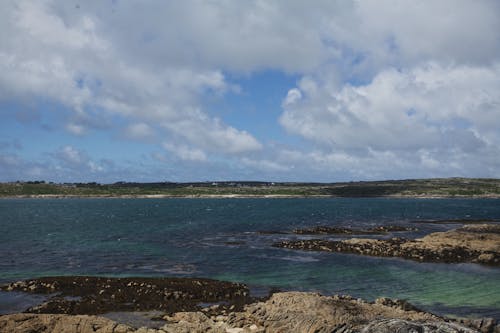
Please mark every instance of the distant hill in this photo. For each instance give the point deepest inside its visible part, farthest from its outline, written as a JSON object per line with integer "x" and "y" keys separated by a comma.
{"x": 439, "y": 187}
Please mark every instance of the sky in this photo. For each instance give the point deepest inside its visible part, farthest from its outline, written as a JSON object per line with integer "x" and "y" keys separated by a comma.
{"x": 280, "y": 90}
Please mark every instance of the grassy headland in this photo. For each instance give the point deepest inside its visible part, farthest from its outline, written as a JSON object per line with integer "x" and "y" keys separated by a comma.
{"x": 442, "y": 187}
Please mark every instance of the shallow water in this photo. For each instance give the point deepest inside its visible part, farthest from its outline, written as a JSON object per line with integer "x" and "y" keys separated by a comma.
{"x": 219, "y": 238}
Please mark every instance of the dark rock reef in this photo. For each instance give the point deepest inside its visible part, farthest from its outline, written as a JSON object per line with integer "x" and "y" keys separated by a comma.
{"x": 349, "y": 231}
{"x": 96, "y": 295}
{"x": 473, "y": 243}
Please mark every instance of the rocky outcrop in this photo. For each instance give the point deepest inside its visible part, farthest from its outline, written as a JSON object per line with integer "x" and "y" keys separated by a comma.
{"x": 45, "y": 323}
{"x": 95, "y": 295}
{"x": 472, "y": 243}
{"x": 283, "y": 312}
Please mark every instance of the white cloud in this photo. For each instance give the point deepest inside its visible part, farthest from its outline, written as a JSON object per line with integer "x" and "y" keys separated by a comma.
{"x": 424, "y": 107}
{"x": 139, "y": 131}
{"x": 218, "y": 137}
{"x": 264, "y": 165}
{"x": 185, "y": 153}
{"x": 72, "y": 160}
{"x": 69, "y": 55}
{"x": 292, "y": 96}
{"x": 70, "y": 155}
{"x": 431, "y": 120}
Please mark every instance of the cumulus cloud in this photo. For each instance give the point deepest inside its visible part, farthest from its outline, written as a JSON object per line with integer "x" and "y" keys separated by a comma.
{"x": 443, "y": 114}
{"x": 426, "y": 106}
{"x": 72, "y": 59}
{"x": 220, "y": 138}
{"x": 411, "y": 93}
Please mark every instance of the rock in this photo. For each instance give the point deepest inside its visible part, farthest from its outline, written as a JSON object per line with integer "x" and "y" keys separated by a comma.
{"x": 481, "y": 228}
{"x": 311, "y": 312}
{"x": 404, "y": 326}
{"x": 319, "y": 230}
{"x": 323, "y": 230}
{"x": 485, "y": 325}
{"x": 48, "y": 323}
{"x": 186, "y": 322}
{"x": 488, "y": 258}
{"x": 391, "y": 228}
{"x": 400, "y": 304}
{"x": 234, "y": 330}
{"x": 284, "y": 312}
{"x": 473, "y": 243}
{"x": 95, "y": 295}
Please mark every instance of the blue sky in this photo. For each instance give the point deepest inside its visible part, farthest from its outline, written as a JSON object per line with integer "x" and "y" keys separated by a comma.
{"x": 259, "y": 90}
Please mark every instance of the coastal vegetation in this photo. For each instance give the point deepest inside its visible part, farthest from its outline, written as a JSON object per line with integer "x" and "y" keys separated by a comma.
{"x": 439, "y": 187}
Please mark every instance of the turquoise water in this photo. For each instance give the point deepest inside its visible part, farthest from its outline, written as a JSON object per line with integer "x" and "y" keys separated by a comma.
{"x": 218, "y": 238}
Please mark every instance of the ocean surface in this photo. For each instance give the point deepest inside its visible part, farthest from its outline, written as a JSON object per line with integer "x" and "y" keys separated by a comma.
{"x": 222, "y": 239}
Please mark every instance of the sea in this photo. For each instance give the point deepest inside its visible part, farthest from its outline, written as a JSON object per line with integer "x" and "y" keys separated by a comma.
{"x": 231, "y": 239}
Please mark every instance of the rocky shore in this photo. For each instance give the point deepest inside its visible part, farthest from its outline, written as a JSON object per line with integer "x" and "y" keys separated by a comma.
{"x": 282, "y": 312}
{"x": 81, "y": 303}
{"x": 477, "y": 243}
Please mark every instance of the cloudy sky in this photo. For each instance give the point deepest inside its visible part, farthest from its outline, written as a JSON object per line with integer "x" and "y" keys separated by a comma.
{"x": 249, "y": 90}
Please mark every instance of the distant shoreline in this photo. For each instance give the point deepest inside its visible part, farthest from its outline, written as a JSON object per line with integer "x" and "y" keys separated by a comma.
{"x": 419, "y": 188}
{"x": 243, "y": 196}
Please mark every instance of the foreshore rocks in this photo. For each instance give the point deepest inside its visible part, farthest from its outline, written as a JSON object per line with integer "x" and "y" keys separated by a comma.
{"x": 284, "y": 312}
{"x": 472, "y": 243}
{"x": 96, "y": 295}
